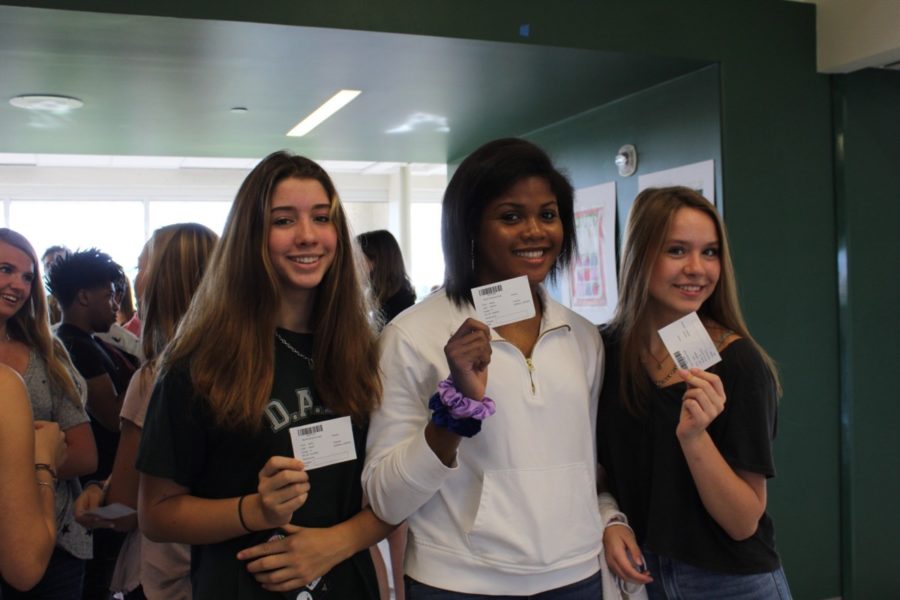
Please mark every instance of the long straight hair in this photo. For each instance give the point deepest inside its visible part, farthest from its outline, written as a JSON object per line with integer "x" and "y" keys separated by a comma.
{"x": 646, "y": 233}
{"x": 226, "y": 338}
{"x": 388, "y": 275}
{"x": 31, "y": 325}
{"x": 178, "y": 256}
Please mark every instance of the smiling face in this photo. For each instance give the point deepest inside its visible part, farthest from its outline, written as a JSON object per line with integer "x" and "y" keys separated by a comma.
{"x": 687, "y": 270}
{"x": 16, "y": 279}
{"x": 302, "y": 237}
{"x": 521, "y": 234}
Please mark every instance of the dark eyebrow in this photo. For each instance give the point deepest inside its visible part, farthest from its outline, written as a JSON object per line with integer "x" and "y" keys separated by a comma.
{"x": 514, "y": 204}
{"x": 677, "y": 241}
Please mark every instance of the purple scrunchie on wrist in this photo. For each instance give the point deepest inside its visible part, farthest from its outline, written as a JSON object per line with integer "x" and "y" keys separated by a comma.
{"x": 461, "y": 407}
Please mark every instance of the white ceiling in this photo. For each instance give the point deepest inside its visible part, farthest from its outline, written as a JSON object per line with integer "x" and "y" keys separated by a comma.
{"x": 856, "y": 34}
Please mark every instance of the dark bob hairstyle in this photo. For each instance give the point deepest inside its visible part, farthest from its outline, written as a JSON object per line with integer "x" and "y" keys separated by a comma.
{"x": 486, "y": 174}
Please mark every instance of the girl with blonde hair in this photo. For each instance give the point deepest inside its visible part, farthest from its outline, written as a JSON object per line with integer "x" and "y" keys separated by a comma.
{"x": 686, "y": 453}
{"x": 55, "y": 392}
{"x": 171, "y": 266}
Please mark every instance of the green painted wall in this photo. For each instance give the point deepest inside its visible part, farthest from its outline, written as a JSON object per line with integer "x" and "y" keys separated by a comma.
{"x": 672, "y": 124}
{"x": 868, "y": 208}
{"x": 777, "y": 188}
{"x": 679, "y": 123}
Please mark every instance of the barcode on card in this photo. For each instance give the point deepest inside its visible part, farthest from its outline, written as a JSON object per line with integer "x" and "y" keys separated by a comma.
{"x": 310, "y": 430}
{"x": 680, "y": 360}
{"x": 490, "y": 290}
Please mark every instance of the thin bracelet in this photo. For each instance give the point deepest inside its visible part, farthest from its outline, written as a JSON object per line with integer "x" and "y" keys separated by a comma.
{"x": 48, "y": 468}
{"x": 241, "y": 514}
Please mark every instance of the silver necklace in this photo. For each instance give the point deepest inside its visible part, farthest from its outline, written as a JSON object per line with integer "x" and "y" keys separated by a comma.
{"x": 294, "y": 350}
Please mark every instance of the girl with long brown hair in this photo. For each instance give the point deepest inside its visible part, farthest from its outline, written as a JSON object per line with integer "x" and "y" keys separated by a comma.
{"x": 686, "y": 452}
{"x": 277, "y": 339}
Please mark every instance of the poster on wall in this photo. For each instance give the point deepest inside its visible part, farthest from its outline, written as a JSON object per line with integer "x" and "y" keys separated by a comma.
{"x": 700, "y": 177}
{"x": 590, "y": 287}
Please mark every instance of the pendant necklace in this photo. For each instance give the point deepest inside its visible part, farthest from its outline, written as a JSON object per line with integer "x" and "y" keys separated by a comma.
{"x": 294, "y": 350}
{"x": 659, "y": 363}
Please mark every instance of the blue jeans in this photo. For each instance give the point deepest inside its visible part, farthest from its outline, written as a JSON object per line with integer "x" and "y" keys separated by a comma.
{"x": 586, "y": 589}
{"x": 675, "y": 580}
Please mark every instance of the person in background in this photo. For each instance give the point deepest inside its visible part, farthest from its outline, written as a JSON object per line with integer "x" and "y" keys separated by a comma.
{"x": 174, "y": 261}
{"x": 687, "y": 453}
{"x": 30, "y": 454}
{"x": 55, "y": 394}
{"x": 84, "y": 283}
{"x": 275, "y": 346}
{"x": 393, "y": 292}
{"x": 493, "y": 468}
{"x": 49, "y": 256}
{"x": 127, "y": 316}
{"x": 390, "y": 285}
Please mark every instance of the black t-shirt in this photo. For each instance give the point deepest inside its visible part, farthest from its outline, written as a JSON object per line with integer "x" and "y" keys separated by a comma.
{"x": 180, "y": 442}
{"x": 649, "y": 475}
{"x": 93, "y": 358}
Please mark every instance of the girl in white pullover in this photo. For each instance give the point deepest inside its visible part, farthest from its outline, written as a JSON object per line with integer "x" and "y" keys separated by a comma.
{"x": 495, "y": 474}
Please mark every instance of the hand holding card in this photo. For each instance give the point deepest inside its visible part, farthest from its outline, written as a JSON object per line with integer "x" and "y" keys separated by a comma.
{"x": 468, "y": 353}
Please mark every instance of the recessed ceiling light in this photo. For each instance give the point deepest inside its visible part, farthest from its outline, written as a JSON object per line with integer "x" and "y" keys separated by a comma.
{"x": 46, "y": 102}
{"x": 315, "y": 118}
{"x": 239, "y": 110}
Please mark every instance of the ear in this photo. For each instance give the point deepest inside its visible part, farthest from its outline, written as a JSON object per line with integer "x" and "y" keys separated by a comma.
{"x": 82, "y": 298}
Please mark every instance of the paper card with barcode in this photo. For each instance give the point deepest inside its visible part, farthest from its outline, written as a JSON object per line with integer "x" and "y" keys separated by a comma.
{"x": 504, "y": 302}
{"x": 689, "y": 344}
{"x": 323, "y": 443}
{"x": 112, "y": 511}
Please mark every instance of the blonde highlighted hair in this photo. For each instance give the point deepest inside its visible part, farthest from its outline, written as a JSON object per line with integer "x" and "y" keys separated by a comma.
{"x": 31, "y": 325}
{"x": 646, "y": 233}
{"x": 177, "y": 259}
{"x": 226, "y": 338}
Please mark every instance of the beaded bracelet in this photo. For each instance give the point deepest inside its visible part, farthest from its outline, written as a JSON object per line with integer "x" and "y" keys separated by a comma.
{"x": 457, "y": 413}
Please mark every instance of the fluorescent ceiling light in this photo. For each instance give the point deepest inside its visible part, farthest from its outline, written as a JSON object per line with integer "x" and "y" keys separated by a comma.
{"x": 315, "y": 118}
{"x": 46, "y": 102}
{"x": 18, "y": 159}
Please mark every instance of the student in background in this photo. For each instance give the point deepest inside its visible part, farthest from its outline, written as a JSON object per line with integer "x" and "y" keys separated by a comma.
{"x": 687, "y": 453}
{"x": 84, "y": 283}
{"x": 493, "y": 468}
{"x": 278, "y": 336}
{"x": 55, "y": 394}
{"x": 388, "y": 281}
{"x": 175, "y": 260}
{"x": 30, "y": 455}
{"x": 47, "y": 259}
{"x": 393, "y": 292}
{"x": 126, "y": 316}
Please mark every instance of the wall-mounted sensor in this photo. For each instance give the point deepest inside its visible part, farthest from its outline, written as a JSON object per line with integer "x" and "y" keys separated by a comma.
{"x": 626, "y": 160}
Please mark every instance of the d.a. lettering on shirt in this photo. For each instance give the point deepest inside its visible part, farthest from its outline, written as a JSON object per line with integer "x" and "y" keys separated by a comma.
{"x": 279, "y": 416}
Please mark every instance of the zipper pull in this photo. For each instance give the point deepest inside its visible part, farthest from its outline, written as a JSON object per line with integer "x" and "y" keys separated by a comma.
{"x": 531, "y": 374}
